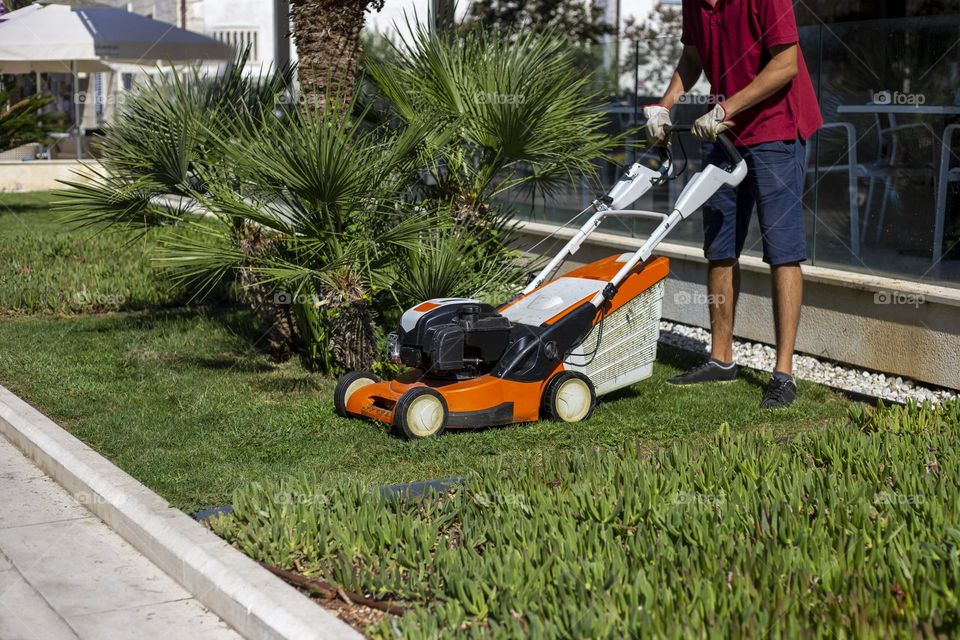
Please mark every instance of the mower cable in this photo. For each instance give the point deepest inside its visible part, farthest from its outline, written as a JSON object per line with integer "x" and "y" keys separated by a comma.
{"x": 683, "y": 169}
{"x": 560, "y": 228}
{"x": 596, "y": 347}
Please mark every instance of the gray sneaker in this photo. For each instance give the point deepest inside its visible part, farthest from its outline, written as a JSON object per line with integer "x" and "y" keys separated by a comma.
{"x": 781, "y": 391}
{"x": 709, "y": 371}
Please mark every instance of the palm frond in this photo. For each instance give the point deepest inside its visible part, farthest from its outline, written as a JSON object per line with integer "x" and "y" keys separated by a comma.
{"x": 521, "y": 110}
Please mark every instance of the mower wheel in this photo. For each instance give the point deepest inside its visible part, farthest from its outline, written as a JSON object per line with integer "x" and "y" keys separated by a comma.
{"x": 421, "y": 412}
{"x": 568, "y": 397}
{"x": 347, "y": 385}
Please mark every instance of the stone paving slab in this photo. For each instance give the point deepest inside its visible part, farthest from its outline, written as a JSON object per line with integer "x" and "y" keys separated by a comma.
{"x": 251, "y": 599}
{"x": 80, "y": 566}
{"x": 178, "y": 619}
{"x": 13, "y": 464}
{"x": 25, "y": 615}
{"x": 66, "y": 574}
{"x": 38, "y": 500}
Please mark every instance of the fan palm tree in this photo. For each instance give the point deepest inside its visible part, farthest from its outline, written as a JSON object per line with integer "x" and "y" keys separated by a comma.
{"x": 327, "y": 197}
{"x": 517, "y": 113}
{"x": 164, "y": 135}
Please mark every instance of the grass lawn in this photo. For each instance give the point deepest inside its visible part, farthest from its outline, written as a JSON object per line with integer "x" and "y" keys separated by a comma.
{"x": 47, "y": 267}
{"x": 185, "y": 401}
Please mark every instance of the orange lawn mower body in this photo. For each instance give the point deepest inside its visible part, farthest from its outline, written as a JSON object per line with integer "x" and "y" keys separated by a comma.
{"x": 550, "y": 351}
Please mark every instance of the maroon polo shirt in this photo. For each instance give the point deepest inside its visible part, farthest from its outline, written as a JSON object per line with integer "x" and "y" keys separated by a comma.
{"x": 734, "y": 40}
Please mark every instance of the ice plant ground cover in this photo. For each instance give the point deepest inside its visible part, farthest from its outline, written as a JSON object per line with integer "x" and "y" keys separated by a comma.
{"x": 847, "y": 531}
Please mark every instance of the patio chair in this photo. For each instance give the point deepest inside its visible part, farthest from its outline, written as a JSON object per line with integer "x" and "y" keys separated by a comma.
{"x": 854, "y": 171}
{"x": 945, "y": 177}
{"x": 890, "y": 166}
{"x": 885, "y": 168}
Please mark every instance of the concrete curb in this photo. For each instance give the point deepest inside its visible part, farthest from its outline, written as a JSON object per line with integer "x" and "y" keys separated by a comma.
{"x": 255, "y": 603}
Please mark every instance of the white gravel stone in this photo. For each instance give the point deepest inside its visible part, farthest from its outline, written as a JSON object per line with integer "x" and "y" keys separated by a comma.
{"x": 763, "y": 357}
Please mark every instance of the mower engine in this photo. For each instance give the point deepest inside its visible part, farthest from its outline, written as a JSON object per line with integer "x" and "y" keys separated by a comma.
{"x": 450, "y": 337}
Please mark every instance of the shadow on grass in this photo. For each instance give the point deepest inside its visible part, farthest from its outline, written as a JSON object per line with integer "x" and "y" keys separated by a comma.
{"x": 233, "y": 362}
{"x": 290, "y": 384}
{"x": 684, "y": 360}
{"x": 756, "y": 378}
{"x": 17, "y": 203}
{"x": 240, "y": 350}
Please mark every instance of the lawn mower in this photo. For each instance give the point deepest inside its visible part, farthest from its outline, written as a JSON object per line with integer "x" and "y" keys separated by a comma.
{"x": 551, "y": 350}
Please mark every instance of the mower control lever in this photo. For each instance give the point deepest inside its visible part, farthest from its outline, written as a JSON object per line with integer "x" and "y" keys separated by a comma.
{"x": 726, "y": 145}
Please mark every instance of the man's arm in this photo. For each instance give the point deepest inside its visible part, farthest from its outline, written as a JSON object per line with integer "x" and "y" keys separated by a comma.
{"x": 777, "y": 73}
{"x": 686, "y": 75}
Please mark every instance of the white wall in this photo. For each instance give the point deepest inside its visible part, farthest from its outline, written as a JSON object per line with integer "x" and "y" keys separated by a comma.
{"x": 242, "y": 16}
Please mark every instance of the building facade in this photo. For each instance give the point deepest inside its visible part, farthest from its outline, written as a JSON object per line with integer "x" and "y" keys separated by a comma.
{"x": 264, "y": 27}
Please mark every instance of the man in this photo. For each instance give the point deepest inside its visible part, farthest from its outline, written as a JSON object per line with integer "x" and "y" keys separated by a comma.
{"x": 765, "y": 101}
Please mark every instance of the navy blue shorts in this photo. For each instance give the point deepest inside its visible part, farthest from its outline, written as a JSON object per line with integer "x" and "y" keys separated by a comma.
{"x": 774, "y": 183}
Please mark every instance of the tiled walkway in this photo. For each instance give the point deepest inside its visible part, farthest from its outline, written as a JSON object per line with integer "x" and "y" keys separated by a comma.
{"x": 65, "y": 574}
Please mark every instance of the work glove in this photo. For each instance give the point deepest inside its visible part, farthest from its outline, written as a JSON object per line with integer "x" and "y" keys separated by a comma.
{"x": 711, "y": 124}
{"x": 658, "y": 125}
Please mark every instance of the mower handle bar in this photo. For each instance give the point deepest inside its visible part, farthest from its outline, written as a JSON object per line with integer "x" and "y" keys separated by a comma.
{"x": 635, "y": 182}
{"x": 723, "y": 140}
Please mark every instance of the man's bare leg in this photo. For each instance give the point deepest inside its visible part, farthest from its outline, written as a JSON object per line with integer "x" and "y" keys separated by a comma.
{"x": 723, "y": 287}
{"x": 787, "y": 300}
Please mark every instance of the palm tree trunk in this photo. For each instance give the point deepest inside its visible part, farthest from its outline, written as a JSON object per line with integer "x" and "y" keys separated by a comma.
{"x": 327, "y": 35}
{"x": 277, "y": 319}
{"x": 353, "y": 339}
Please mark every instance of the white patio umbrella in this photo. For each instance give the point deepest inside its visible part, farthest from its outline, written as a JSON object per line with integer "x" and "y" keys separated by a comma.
{"x": 46, "y": 37}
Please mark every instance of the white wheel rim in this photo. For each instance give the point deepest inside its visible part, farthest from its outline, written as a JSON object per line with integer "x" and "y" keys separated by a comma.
{"x": 425, "y": 415}
{"x": 573, "y": 400}
{"x": 359, "y": 383}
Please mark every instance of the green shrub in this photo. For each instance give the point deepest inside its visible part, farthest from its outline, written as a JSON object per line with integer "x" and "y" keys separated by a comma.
{"x": 848, "y": 531}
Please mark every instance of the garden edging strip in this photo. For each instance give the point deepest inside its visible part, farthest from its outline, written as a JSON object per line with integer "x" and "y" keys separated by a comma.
{"x": 255, "y": 603}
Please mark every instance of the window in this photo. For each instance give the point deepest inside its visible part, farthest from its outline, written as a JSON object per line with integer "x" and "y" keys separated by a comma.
{"x": 240, "y": 39}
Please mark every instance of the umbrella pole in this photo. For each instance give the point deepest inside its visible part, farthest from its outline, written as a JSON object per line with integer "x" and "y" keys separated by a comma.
{"x": 76, "y": 108}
